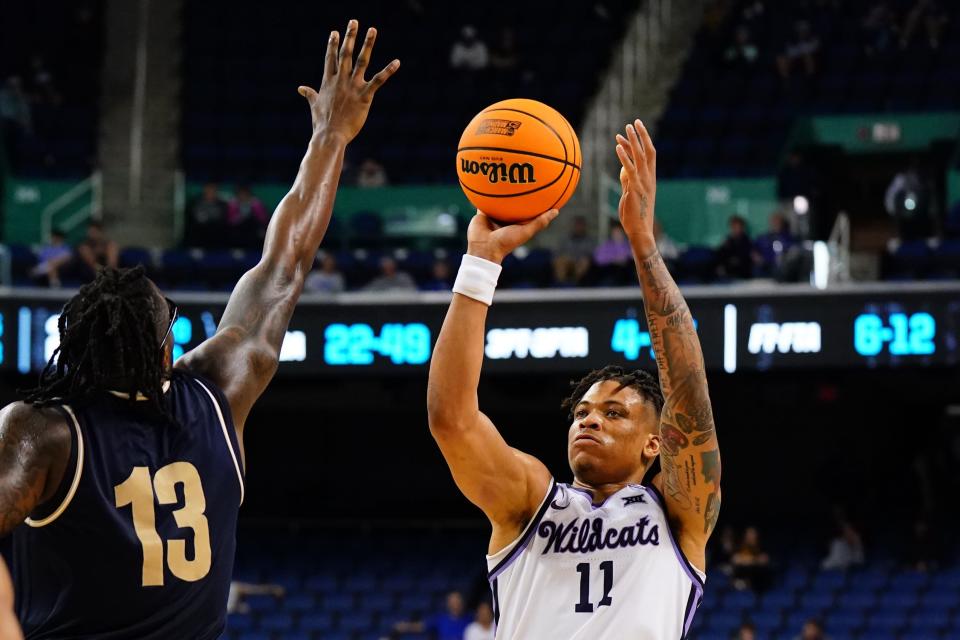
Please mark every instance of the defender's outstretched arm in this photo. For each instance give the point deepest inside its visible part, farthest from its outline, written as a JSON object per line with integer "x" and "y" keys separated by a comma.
{"x": 505, "y": 483}
{"x": 244, "y": 353}
{"x": 689, "y": 453}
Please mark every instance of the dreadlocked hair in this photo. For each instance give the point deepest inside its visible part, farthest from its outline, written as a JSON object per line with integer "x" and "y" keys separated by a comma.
{"x": 108, "y": 340}
{"x": 641, "y": 381}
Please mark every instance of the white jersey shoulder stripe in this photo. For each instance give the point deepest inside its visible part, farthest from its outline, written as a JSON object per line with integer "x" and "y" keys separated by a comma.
{"x": 509, "y": 553}
{"x": 226, "y": 436}
{"x": 78, "y": 471}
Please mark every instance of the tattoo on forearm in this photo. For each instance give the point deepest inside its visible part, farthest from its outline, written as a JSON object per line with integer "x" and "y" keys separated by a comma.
{"x": 713, "y": 512}
{"x": 687, "y": 417}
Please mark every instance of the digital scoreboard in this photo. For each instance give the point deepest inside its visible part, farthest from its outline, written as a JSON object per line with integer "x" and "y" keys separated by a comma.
{"x": 741, "y": 329}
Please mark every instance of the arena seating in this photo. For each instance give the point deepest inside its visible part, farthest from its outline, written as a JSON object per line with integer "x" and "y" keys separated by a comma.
{"x": 726, "y": 121}
{"x": 70, "y": 42}
{"x": 243, "y": 118}
{"x": 354, "y": 586}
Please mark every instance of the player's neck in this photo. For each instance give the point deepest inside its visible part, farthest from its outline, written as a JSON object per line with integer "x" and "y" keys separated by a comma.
{"x": 602, "y": 491}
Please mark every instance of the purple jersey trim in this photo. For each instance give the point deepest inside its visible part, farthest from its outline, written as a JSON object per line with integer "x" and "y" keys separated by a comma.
{"x": 687, "y": 567}
{"x": 527, "y": 535}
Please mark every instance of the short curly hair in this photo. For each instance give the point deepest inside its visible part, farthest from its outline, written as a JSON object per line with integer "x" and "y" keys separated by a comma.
{"x": 641, "y": 381}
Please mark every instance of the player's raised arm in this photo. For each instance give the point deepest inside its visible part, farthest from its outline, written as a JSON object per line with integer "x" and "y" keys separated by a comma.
{"x": 505, "y": 483}
{"x": 243, "y": 355}
{"x": 689, "y": 454}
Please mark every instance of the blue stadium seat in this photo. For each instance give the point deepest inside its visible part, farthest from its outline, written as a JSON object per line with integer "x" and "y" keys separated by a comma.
{"x": 133, "y": 256}
{"x": 240, "y": 622}
{"x": 323, "y": 583}
{"x": 318, "y": 623}
{"x": 277, "y": 622}
{"x": 336, "y": 602}
{"x": 299, "y": 602}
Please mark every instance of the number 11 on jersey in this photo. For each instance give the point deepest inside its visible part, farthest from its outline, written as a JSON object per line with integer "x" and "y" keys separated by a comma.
{"x": 585, "y": 605}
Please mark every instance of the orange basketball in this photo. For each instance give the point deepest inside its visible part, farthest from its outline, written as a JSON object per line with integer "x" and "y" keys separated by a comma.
{"x": 517, "y": 159}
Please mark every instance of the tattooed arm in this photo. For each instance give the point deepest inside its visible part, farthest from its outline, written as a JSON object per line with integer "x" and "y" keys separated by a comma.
{"x": 689, "y": 454}
{"x": 34, "y": 452}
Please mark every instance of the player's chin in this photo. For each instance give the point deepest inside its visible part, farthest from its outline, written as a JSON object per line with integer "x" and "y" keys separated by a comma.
{"x": 584, "y": 463}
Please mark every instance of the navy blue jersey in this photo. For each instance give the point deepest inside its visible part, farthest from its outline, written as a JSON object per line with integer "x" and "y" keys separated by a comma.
{"x": 140, "y": 540}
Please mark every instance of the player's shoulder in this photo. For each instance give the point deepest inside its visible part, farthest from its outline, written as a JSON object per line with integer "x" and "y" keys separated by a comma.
{"x": 26, "y": 424}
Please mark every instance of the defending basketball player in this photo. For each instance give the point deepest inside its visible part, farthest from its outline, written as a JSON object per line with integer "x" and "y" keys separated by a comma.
{"x": 121, "y": 475}
{"x": 605, "y": 557}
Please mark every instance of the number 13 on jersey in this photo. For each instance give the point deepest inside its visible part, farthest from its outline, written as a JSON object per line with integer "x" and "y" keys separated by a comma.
{"x": 138, "y": 491}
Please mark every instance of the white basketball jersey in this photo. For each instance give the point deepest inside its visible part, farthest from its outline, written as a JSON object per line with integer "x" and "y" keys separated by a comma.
{"x": 585, "y": 572}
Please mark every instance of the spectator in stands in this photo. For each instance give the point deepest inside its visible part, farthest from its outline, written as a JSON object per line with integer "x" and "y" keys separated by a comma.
{"x": 923, "y": 550}
{"x": 206, "y": 219}
{"x": 371, "y": 174}
{"x": 326, "y": 279}
{"x": 722, "y": 548}
{"x": 482, "y": 627}
{"x": 440, "y": 277}
{"x": 504, "y": 55}
{"x": 391, "y": 278}
{"x": 796, "y": 178}
{"x": 746, "y": 632}
{"x": 572, "y": 260}
{"x": 932, "y": 16}
{"x": 846, "y": 549}
{"x": 751, "y": 564}
{"x": 246, "y": 219}
{"x": 742, "y": 52}
{"x": 42, "y": 88}
{"x": 879, "y": 28}
{"x": 908, "y": 200}
{"x": 52, "y": 257}
{"x": 16, "y": 122}
{"x": 770, "y": 248}
{"x": 812, "y": 630}
{"x": 469, "y": 51}
{"x": 801, "y": 50}
{"x": 667, "y": 248}
{"x": 734, "y": 256}
{"x": 97, "y": 250}
{"x": 240, "y": 590}
{"x": 613, "y": 259}
{"x": 450, "y": 624}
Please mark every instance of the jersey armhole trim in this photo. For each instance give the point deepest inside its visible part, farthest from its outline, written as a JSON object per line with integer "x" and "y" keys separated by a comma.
{"x": 691, "y": 571}
{"x": 77, "y": 472}
{"x": 514, "y": 548}
{"x": 226, "y": 436}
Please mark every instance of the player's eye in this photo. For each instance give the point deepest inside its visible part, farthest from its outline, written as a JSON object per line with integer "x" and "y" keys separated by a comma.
{"x": 613, "y": 414}
{"x": 580, "y": 414}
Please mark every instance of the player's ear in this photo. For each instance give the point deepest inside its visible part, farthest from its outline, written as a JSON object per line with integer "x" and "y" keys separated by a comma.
{"x": 651, "y": 449}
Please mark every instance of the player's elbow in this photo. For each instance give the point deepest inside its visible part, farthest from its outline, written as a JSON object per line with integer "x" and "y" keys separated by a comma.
{"x": 443, "y": 414}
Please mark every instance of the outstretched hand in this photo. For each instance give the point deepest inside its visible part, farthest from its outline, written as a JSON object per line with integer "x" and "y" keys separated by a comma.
{"x": 341, "y": 105}
{"x": 638, "y": 182}
{"x": 488, "y": 240}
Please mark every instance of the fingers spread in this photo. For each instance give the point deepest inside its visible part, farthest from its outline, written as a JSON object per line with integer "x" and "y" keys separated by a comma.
{"x": 382, "y": 76}
{"x": 330, "y": 62}
{"x": 346, "y": 50}
{"x": 626, "y": 160}
{"x": 636, "y": 148}
{"x": 649, "y": 151}
{"x": 365, "y": 51}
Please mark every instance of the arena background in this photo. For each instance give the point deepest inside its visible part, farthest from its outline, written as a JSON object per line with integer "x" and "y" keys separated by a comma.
{"x": 833, "y": 364}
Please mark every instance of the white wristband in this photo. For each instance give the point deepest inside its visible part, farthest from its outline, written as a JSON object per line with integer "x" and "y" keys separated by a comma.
{"x": 477, "y": 279}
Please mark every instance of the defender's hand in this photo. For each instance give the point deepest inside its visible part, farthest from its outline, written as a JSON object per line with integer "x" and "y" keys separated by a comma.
{"x": 341, "y": 105}
{"x": 638, "y": 181}
{"x": 488, "y": 240}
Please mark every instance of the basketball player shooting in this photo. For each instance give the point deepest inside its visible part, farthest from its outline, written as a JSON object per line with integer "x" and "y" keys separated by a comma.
{"x": 603, "y": 558}
{"x": 128, "y": 471}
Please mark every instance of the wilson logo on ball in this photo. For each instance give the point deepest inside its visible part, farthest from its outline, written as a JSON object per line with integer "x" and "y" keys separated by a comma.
{"x": 515, "y": 172}
{"x": 498, "y": 127}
